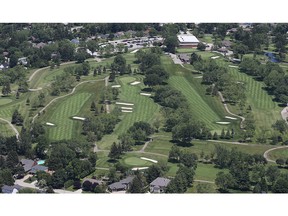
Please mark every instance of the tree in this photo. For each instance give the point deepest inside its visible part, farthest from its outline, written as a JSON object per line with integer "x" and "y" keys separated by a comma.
{"x": 41, "y": 98}
{"x": 204, "y": 188}
{"x": 156, "y": 75}
{"x": 93, "y": 106}
{"x": 272, "y": 172}
{"x": 201, "y": 46}
{"x": 174, "y": 154}
{"x": 17, "y": 118}
{"x": 28, "y": 102}
{"x": 215, "y": 136}
{"x": 6, "y": 177}
{"x": 119, "y": 64}
{"x": 6, "y": 90}
{"x": 224, "y": 181}
{"x": 92, "y": 159}
{"x": 189, "y": 159}
{"x": 115, "y": 152}
{"x": 138, "y": 184}
{"x": 280, "y": 161}
{"x": 171, "y": 42}
{"x": 281, "y": 184}
{"x": 281, "y": 126}
{"x": 153, "y": 172}
{"x": 58, "y": 178}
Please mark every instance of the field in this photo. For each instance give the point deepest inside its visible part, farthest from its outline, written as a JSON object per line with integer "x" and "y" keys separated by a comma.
{"x": 265, "y": 111}
{"x": 61, "y": 111}
{"x": 205, "y": 108}
{"x": 144, "y": 108}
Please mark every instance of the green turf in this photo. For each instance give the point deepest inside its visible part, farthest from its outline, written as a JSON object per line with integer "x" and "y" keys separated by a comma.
{"x": 5, "y": 101}
{"x": 144, "y": 108}
{"x": 207, "y": 172}
{"x": 6, "y": 130}
{"x": 212, "y": 188}
{"x": 278, "y": 153}
{"x": 136, "y": 161}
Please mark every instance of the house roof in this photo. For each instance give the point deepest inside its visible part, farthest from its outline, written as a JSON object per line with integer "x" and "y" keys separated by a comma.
{"x": 92, "y": 180}
{"x": 10, "y": 189}
{"x": 27, "y": 164}
{"x": 117, "y": 186}
{"x": 36, "y": 168}
{"x": 187, "y": 39}
{"x": 160, "y": 182}
{"x": 184, "y": 57}
{"x": 127, "y": 180}
{"x": 226, "y": 43}
{"x": 75, "y": 41}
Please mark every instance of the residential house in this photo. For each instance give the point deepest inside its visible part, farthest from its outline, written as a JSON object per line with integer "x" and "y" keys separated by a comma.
{"x": 11, "y": 189}
{"x": 185, "y": 58}
{"x": 226, "y": 43}
{"x": 187, "y": 41}
{"x": 124, "y": 184}
{"x": 75, "y": 41}
{"x": 37, "y": 168}
{"x": 4, "y": 66}
{"x": 222, "y": 50}
{"x": 40, "y": 45}
{"x": 159, "y": 185}
{"x": 27, "y": 164}
{"x": 93, "y": 181}
{"x": 119, "y": 34}
{"x": 23, "y": 61}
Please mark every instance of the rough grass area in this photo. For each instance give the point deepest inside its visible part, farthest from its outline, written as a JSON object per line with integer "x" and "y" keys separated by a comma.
{"x": 6, "y": 130}
{"x": 278, "y": 153}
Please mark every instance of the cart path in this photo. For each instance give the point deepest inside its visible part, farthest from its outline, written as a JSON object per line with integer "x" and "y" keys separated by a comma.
{"x": 204, "y": 181}
{"x": 226, "y": 108}
{"x": 12, "y": 127}
{"x": 265, "y": 155}
{"x": 284, "y": 114}
{"x": 107, "y": 103}
{"x": 72, "y": 92}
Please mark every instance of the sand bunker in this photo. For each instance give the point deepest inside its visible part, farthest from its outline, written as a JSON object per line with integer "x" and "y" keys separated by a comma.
{"x": 145, "y": 94}
{"x": 148, "y": 159}
{"x": 78, "y": 118}
{"x": 228, "y": 117}
{"x": 223, "y": 123}
{"x": 127, "y": 104}
{"x": 127, "y": 111}
{"x": 215, "y": 57}
{"x": 198, "y": 77}
{"x": 134, "y": 51}
{"x": 115, "y": 86}
{"x": 50, "y": 124}
{"x": 233, "y": 66}
{"x": 135, "y": 83}
{"x": 139, "y": 168}
{"x": 127, "y": 108}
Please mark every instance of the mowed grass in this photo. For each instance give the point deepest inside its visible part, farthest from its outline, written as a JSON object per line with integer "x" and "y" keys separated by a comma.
{"x": 6, "y": 130}
{"x": 4, "y": 101}
{"x": 61, "y": 117}
{"x": 278, "y": 153}
{"x": 207, "y": 172}
{"x": 144, "y": 109}
{"x": 265, "y": 111}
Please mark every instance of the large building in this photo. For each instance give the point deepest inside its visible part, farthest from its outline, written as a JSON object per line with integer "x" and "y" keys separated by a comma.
{"x": 187, "y": 41}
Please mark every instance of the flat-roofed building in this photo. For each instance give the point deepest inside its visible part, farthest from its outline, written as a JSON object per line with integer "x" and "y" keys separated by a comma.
{"x": 187, "y": 41}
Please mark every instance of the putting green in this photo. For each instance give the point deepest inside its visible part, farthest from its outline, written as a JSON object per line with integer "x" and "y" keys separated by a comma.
{"x": 5, "y": 101}
{"x": 134, "y": 161}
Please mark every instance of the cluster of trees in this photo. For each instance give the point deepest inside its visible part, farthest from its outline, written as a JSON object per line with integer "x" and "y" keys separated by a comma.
{"x": 17, "y": 118}
{"x": 62, "y": 83}
{"x": 178, "y": 118}
{"x": 246, "y": 172}
{"x": 95, "y": 127}
{"x": 136, "y": 134}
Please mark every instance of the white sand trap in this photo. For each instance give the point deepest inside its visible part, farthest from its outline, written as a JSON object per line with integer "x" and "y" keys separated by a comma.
{"x": 50, "y": 124}
{"x": 135, "y": 83}
{"x": 233, "y": 66}
{"x": 127, "y": 108}
{"x": 116, "y": 86}
{"x": 215, "y": 57}
{"x": 223, "y": 123}
{"x": 127, "y": 104}
{"x": 148, "y": 159}
{"x": 145, "y": 94}
{"x": 139, "y": 168}
{"x": 240, "y": 82}
{"x": 127, "y": 111}
{"x": 198, "y": 77}
{"x": 78, "y": 118}
{"x": 229, "y": 117}
{"x": 134, "y": 51}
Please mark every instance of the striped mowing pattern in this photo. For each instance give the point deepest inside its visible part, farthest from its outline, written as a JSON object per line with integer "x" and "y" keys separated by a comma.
{"x": 61, "y": 116}
{"x": 198, "y": 106}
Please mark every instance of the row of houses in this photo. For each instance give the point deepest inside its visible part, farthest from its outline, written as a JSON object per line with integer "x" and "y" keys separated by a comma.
{"x": 157, "y": 186}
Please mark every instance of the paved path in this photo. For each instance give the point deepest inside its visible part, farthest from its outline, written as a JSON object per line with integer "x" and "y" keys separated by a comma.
{"x": 284, "y": 114}
{"x": 106, "y": 84}
{"x": 72, "y": 92}
{"x": 226, "y": 108}
{"x": 145, "y": 145}
{"x": 272, "y": 149}
{"x": 38, "y": 89}
{"x": 12, "y": 127}
{"x": 204, "y": 181}
{"x": 24, "y": 184}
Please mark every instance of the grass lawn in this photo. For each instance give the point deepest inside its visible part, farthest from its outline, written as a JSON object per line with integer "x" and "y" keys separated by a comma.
{"x": 212, "y": 188}
{"x": 265, "y": 111}
{"x": 278, "y": 153}
{"x": 62, "y": 110}
{"x": 4, "y": 101}
{"x": 5, "y": 129}
{"x": 136, "y": 161}
{"x": 204, "y": 107}
{"x": 144, "y": 108}
{"x": 207, "y": 172}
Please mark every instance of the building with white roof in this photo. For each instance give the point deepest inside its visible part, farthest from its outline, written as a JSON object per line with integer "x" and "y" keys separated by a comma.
{"x": 187, "y": 41}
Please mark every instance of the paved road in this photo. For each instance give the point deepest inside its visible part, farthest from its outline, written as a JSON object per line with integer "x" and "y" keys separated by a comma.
{"x": 73, "y": 90}
{"x": 12, "y": 127}
{"x": 24, "y": 184}
{"x": 272, "y": 149}
{"x": 226, "y": 108}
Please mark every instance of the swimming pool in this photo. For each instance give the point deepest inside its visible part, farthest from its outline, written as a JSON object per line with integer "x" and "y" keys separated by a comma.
{"x": 40, "y": 162}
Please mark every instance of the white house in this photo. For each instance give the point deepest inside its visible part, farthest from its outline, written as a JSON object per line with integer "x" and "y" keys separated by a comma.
{"x": 187, "y": 41}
